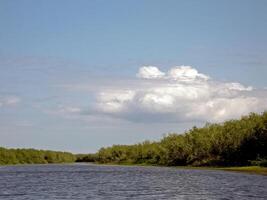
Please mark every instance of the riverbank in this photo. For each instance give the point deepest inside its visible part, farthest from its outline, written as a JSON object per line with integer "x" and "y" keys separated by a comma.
{"x": 248, "y": 169}
{"x": 244, "y": 169}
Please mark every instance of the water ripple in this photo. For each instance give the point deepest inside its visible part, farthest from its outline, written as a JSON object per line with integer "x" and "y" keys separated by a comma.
{"x": 65, "y": 182}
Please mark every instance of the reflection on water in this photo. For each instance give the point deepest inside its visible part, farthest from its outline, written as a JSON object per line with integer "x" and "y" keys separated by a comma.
{"x": 78, "y": 181}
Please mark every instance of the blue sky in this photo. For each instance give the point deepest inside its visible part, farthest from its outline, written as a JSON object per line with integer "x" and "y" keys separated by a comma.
{"x": 79, "y": 75}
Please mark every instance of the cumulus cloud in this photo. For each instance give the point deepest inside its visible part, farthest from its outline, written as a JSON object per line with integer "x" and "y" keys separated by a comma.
{"x": 186, "y": 73}
{"x": 114, "y": 101}
{"x": 219, "y": 109}
{"x": 180, "y": 94}
{"x": 6, "y": 101}
{"x": 150, "y": 72}
{"x": 178, "y": 73}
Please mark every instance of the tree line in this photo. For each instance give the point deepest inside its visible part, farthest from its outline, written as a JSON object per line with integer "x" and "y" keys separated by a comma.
{"x": 33, "y": 156}
{"x": 232, "y": 143}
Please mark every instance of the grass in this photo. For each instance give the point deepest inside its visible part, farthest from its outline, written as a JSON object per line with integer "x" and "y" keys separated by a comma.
{"x": 244, "y": 169}
{"x": 247, "y": 169}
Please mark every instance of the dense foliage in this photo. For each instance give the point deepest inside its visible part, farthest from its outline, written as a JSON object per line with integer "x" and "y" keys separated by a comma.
{"x": 86, "y": 157}
{"x": 232, "y": 143}
{"x": 235, "y": 142}
{"x": 32, "y": 156}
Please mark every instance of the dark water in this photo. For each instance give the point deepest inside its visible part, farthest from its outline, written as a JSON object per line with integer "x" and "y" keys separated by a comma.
{"x": 115, "y": 182}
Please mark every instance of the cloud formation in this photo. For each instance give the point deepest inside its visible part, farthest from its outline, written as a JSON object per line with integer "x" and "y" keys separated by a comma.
{"x": 180, "y": 94}
{"x": 150, "y": 72}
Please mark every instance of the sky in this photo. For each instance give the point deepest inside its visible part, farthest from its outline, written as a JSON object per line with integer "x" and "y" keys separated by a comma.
{"x": 80, "y": 75}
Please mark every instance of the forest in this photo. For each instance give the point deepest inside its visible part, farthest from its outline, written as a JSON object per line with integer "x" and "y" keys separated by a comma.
{"x": 32, "y": 156}
{"x": 240, "y": 142}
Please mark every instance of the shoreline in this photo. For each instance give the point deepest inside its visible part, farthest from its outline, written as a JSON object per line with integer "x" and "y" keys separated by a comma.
{"x": 37, "y": 164}
{"x": 257, "y": 170}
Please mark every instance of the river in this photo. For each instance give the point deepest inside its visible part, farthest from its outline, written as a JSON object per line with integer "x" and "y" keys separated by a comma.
{"x": 89, "y": 181}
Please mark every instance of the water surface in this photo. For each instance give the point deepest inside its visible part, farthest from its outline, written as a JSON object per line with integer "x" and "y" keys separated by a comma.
{"x": 85, "y": 181}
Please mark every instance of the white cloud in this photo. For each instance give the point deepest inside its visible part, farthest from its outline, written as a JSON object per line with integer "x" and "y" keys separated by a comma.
{"x": 186, "y": 73}
{"x": 114, "y": 101}
{"x": 220, "y": 109}
{"x": 178, "y": 73}
{"x": 6, "y": 101}
{"x": 150, "y": 72}
{"x": 237, "y": 86}
{"x": 181, "y": 94}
